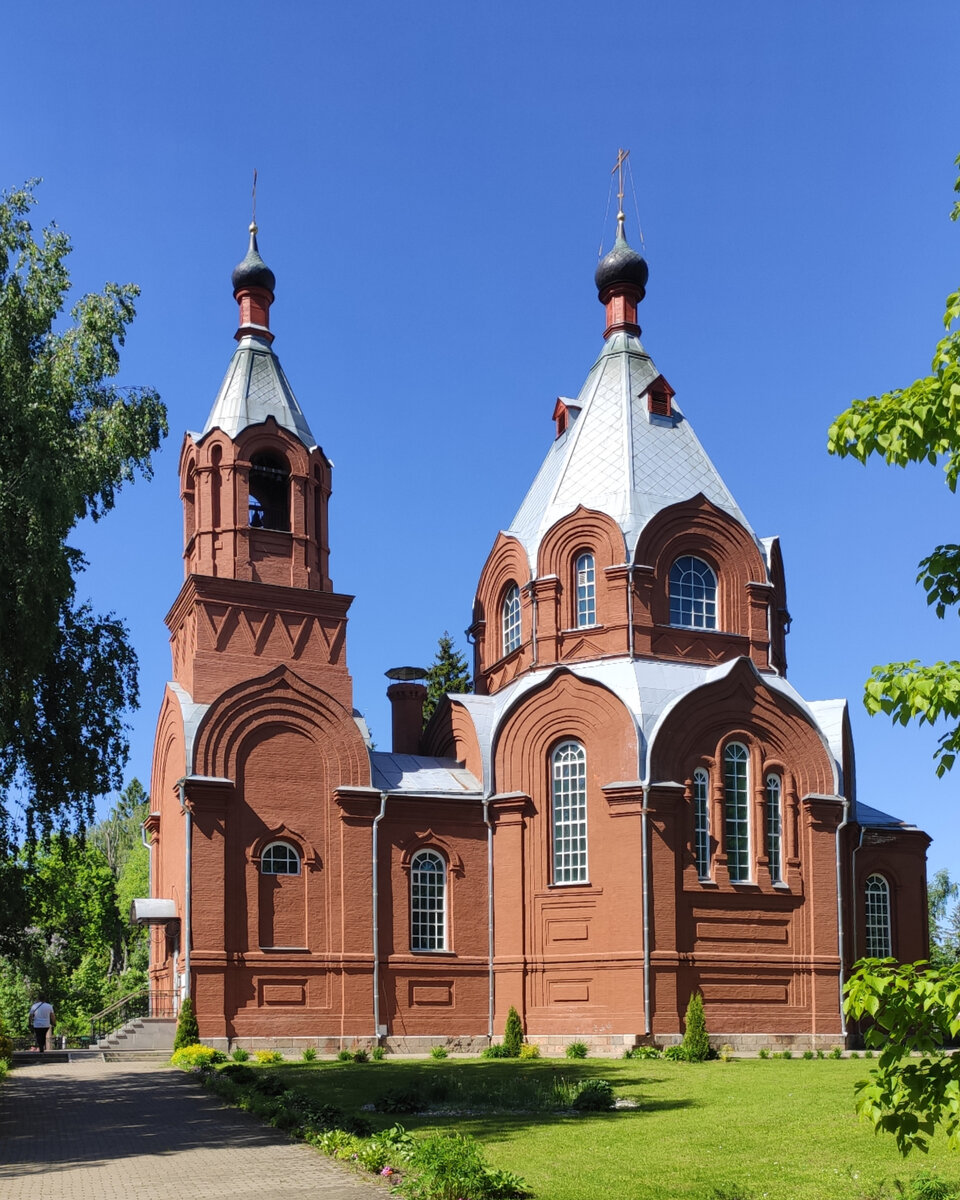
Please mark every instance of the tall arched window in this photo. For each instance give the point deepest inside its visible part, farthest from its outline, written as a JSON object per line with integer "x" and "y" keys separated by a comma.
{"x": 774, "y": 831}
{"x": 511, "y": 619}
{"x": 428, "y": 902}
{"x": 569, "y": 763}
{"x": 701, "y": 822}
{"x": 693, "y": 594}
{"x": 877, "y": 899}
{"x": 281, "y": 898}
{"x": 737, "y": 811}
{"x": 586, "y": 569}
{"x": 269, "y": 493}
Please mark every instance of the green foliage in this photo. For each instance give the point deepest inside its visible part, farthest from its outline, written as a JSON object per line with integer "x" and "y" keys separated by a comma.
{"x": 240, "y": 1055}
{"x": 944, "y": 919}
{"x": 675, "y": 1054}
{"x": 361, "y": 1056}
{"x": 836, "y": 1052}
{"x": 808, "y": 1054}
{"x": 512, "y": 1034}
{"x": 528, "y": 1051}
{"x": 378, "y": 1054}
{"x": 438, "y": 1051}
{"x": 920, "y": 423}
{"x": 497, "y": 1050}
{"x": 309, "y": 1054}
{"x": 188, "y": 1031}
{"x": 913, "y": 1009}
{"x": 448, "y": 673}
{"x": 268, "y": 1058}
{"x": 696, "y": 1041}
{"x": 764, "y": 1052}
{"x": 643, "y": 1052}
{"x": 449, "y": 1166}
{"x": 594, "y": 1095}
{"x": 577, "y": 1050}
{"x": 344, "y": 1056}
{"x": 69, "y": 440}
{"x": 6, "y": 1046}
{"x": 188, "y": 1057}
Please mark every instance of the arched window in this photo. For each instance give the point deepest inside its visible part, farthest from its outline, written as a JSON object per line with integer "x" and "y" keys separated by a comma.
{"x": 701, "y": 822}
{"x": 693, "y": 594}
{"x": 511, "y": 619}
{"x": 428, "y": 902}
{"x": 269, "y": 506}
{"x": 774, "y": 831}
{"x": 586, "y": 569}
{"x": 280, "y": 858}
{"x": 878, "y": 917}
{"x": 737, "y": 811}
{"x": 569, "y": 763}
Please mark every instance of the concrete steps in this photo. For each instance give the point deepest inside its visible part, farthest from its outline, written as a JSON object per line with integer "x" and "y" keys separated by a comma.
{"x": 149, "y": 1035}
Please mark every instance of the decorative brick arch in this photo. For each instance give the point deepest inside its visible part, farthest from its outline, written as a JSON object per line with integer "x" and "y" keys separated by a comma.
{"x": 452, "y": 734}
{"x": 428, "y": 840}
{"x": 741, "y": 706}
{"x": 280, "y": 701}
{"x": 697, "y": 527}
{"x": 564, "y": 706}
{"x": 283, "y": 833}
{"x": 507, "y": 563}
{"x": 579, "y": 531}
{"x": 169, "y": 747}
{"x": 270, "y": 438}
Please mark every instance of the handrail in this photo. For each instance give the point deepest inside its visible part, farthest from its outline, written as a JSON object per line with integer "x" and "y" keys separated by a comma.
{"x": 143, "y": 1003}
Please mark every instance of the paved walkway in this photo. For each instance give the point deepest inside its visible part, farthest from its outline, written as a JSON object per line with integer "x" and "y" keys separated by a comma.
{"x": 131, "y": 1131}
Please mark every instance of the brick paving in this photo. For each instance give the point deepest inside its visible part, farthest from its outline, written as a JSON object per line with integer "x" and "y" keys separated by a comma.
{"x": 136, "y": 1131}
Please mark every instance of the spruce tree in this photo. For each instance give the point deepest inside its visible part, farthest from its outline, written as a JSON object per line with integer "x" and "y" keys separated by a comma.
{"x": 188, "y": 1031}
{"x": 513, "y": 1034}
{"x": 696, "y": 1041}
{"x": 449, "y": 672}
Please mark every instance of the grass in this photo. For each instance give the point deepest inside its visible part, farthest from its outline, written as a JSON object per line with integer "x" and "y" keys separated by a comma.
{"x": 781, "y": 1129}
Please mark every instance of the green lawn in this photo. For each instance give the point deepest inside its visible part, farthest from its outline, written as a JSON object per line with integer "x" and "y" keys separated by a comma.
{"x": 784, "y": 1129}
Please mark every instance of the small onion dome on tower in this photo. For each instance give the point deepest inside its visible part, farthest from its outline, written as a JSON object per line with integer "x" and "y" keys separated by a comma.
{"x": 253, "y": 286}
{"x": 621, "y": 279}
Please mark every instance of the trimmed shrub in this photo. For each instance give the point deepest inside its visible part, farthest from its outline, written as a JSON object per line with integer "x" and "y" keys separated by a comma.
{"x": 188, "y": 1031}
{"x": 696, "y": 1041}
{"x": 197, "y": 1055}
{"x": 529, "y": 1051}
{"x": 577, "y": 1050}
{"x": 513, "y": 1034}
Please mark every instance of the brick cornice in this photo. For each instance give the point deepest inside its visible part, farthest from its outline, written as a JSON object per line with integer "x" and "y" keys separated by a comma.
{"x": 624, "y": 799}
{"x": 198, "y": 589}
{"x": 511, "y": 808}
{"x": 358, "y": 805}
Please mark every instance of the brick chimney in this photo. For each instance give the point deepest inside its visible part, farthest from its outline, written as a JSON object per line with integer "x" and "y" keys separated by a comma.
{"x": 406, "y": 702}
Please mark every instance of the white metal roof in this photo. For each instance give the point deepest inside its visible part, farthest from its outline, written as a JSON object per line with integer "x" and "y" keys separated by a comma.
{"x": 416, "y": 773}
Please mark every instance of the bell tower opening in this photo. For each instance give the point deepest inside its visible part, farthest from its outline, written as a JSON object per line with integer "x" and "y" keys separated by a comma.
{"x": 269, "y": 504}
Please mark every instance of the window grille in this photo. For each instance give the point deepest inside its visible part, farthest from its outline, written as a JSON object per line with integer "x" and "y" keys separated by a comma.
{"x": 693, "y": 594}
{"x": 586, "y": 590}
{"x": 701, "y": 822}
{"x": 511, "y": 619}
{"x": 279, "y": 858}
{"x": 428, "y": 915}
{"x": 737, "y": 812}
{"x": 569, "y": 813}
{"x": 877, "y": 899}
{"x": 774, "y": 828}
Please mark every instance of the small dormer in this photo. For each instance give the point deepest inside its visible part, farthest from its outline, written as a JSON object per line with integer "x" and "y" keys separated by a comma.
{"x": 660, "y": 398}
{"x": 565, "y": 412}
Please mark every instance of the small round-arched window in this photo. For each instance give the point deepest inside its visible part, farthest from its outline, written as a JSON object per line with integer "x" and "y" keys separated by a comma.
{"x": 269, "y": 493}
{"x": 280, "y": 858}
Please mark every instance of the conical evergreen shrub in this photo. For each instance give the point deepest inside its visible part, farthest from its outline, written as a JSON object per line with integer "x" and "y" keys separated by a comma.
{"x": 513, "y": 1034}
{"x": 696, "y": 1040}
{"x": 188, "y": 1031}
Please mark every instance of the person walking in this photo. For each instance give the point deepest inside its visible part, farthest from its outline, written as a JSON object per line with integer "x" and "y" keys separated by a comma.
{"x": 42, "y": 1019}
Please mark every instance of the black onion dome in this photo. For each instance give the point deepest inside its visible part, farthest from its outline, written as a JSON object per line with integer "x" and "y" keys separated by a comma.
{"x": 253, "y": 271}
{"x": 622, "y": 265}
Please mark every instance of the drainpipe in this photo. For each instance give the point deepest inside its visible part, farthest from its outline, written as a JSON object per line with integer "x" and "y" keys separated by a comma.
{"x": 853, "y": 883}
{"x": 840, "y": 926}
{"x": 148, "y": 846}
{"x": 630, "y": 570}
{"x": 645, "y": 873}
{"x": 533, "y": 620}
{"x": 376, "y": 920}
{"x": 187, "y": 886}
{"x": 490, "y": 997}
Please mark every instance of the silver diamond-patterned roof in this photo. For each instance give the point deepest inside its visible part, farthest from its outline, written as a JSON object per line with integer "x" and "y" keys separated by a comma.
{"x": 253, "y": 389}
{"x": 617, "y": 458}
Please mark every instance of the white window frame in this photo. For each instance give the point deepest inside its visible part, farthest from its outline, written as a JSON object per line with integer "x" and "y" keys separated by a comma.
{"x": 878, "y": 940}
{"x": 701, "y": 822}
{"x": 511, "y": 622}
{"x": 736, "y": 811}
{"x": 773, "y": 796}
{"x": 693, "y": 594}
{"x": 267, "y": 864}
{"x": 585, "y": 571}
{"x": 568, "y": 772}
{"x": 428, "y": 903}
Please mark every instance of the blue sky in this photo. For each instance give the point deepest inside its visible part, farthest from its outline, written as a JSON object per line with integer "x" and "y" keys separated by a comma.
{"x": 433, "y": 184}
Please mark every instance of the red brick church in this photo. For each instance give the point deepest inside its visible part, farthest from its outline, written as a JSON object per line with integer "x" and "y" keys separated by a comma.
{"x": 634, "y": 804}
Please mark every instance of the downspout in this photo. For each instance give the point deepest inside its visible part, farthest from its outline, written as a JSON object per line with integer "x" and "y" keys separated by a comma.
{"x": 187, "y": 886}
{"x": 533, "y": 620}
{"x": 645, "y": 873}
{"x": 630, "y": 570}
{"x": 148, "y": 846}
{"x": 853, "y": 882}
{"x": 490, "y": 995}
{"x": 840, "y": 925}
{"x": 376, "y": 920}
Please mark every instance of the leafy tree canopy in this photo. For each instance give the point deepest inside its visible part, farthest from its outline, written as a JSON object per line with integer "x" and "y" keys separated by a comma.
{"x": 69, "y": 440}
{"x": 920, "y": 423}
{"x": 944, "y": 919}
{"x": 448, "y": 673}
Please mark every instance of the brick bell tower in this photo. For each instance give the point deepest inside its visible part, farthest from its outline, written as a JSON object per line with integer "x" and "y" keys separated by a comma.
{"x": 255, "y": 488}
